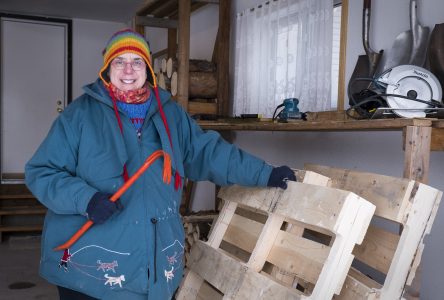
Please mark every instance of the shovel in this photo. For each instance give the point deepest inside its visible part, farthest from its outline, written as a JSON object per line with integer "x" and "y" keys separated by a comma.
{"x": 409, "y": 46}
{"x": 436, "y": 52}
{"x": 366, "y": 64}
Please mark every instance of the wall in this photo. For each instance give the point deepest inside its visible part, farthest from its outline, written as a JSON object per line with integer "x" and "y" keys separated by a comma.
{"x": 88, "y": 41}
{"x": 379, "y": 152}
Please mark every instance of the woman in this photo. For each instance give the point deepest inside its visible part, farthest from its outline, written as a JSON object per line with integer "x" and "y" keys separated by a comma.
{"x": 95, "y": 145}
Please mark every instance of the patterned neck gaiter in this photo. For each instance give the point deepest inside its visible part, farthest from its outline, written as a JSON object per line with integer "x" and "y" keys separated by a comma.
{"x": 131, "y": 97}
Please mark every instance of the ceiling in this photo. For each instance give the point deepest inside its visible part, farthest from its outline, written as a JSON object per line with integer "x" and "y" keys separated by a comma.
{"x": 104, "y": 10}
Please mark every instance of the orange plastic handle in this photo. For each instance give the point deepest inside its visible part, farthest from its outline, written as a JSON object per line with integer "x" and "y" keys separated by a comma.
{"x": 166, "y": 178}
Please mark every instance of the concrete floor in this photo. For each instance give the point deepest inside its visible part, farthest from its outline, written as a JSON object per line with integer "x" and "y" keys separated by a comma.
{"x": 19, "y": 264}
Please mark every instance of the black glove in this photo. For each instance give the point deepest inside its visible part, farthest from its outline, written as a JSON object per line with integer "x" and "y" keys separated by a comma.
{"x": 279, "y": 177}
{"x": 100, "y": 207}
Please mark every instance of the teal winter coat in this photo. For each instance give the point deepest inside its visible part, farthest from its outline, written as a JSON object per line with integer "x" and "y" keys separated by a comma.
{"x": 137, "y": 253}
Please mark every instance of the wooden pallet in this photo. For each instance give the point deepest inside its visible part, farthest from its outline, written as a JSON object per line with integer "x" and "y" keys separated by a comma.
{"x": 393, "y": 245}
{"x": 248, "y": 244}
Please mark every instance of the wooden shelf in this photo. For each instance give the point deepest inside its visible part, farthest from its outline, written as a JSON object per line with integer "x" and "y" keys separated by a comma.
{"x": 27, "y": 228}
{"x": 324, "y": 125}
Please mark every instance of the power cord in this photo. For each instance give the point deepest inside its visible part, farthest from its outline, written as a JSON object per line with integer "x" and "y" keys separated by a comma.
{"x": 374, "y": 98}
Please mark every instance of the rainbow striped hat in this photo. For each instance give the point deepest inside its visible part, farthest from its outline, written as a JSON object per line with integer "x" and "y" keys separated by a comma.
{"x": 126, "y": 41}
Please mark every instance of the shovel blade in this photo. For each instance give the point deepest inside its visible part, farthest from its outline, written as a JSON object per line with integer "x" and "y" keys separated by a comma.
{"x": 399, "y": 54}
{"x": 419, "y": 48}
{"x": 436, "y": 52}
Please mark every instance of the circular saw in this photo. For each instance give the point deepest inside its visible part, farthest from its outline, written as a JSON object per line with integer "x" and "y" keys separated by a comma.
{"x": 410, "y": 90}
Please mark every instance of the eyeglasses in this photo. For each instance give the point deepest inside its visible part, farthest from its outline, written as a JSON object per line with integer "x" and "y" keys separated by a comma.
{"x": 120, "y": 64}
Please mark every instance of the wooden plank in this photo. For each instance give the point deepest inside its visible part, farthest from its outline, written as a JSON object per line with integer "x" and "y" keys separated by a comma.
{"x": 18, "y": 196}
{"x": 25, "y": 228}
{"x": 243, "y": 233}
{"x": 265, "y": 242}
{"x": 205, "y": 260}
{"x": 221, "y": 224}
{"x": 359, "y": 286}
{"x": 208, "y": 292}
{"x": 380, "y": 124}
{"x": 155, "y": 22}
{"x": 342, "y": 55}
{"x": 418, "y": 225}
{"x": 190, "y": 286}
{"x": 172, "y": 43}
{"x": 317, "y": 211}
{"x": 261, "y": 199}
{"x": 437, "y": 143}
{"x": 391, "y": 195}
{"x": 417, "y": 153}
{"x": 377, "y": 249}
{"x": 261, "y": 286}
{"x": 23, "y": 211}
{"x": 298, "y": 257}
{"x": 223, "y": 57}
{"x": 202, "y": 108}
{"x": 149, "y": 6}
{"x": 183, "y": 53}
{"x": 233, "y": 278}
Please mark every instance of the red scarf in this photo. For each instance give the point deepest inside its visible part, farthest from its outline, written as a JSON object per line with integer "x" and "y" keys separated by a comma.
{"x": 132, "y": 97}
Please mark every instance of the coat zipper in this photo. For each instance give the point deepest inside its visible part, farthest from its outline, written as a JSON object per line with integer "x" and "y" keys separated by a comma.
{"x": 154, "y": 222}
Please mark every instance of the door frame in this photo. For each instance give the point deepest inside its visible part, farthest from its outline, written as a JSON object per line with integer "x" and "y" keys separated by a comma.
{"x": 68, "y": 80}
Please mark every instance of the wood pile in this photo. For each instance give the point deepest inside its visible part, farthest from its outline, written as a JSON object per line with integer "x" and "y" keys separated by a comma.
{"x": 202, "y": 87}
{"x": 197, "y": 227}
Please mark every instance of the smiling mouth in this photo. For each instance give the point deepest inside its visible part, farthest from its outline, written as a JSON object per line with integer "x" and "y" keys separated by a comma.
{"x": 128, "y": 81}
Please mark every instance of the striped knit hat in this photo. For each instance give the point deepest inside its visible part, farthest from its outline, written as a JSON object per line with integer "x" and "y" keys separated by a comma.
{"x": 126, "y": 41}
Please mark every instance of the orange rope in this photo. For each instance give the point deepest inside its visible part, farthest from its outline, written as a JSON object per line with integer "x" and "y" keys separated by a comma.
{"x": 166, "y": 178}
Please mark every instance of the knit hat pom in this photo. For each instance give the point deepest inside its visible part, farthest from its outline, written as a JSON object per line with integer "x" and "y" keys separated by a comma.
{"x": 126, "y": 41}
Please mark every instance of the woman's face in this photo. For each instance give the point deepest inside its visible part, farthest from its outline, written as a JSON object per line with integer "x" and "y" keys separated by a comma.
{"x": 128, "y": 72}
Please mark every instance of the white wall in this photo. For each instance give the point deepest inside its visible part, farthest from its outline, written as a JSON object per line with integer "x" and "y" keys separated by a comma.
{"x": 89, "y": 38}
{"x": 376, "y": 151}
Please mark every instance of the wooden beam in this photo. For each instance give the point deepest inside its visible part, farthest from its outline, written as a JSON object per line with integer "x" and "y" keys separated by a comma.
{"x": 183, "y": 54}
{"x": 342, "y": 55}
{"x": 156, "y": 22}
{"x": 391, "y": 195}
{"x": 417, "y": 153}
{"x": 223, "y": 60}
{"x": 149, "y": 6}
{"x": 202, "y": 108}
{"x": 172, "y": 43}
{"x": 437, "y": 139}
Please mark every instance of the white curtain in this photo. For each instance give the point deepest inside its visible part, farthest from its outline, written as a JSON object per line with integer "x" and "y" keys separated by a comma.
{"x": 283, "y": 50}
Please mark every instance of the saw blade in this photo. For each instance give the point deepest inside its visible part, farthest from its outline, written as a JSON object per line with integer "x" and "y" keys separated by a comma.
{"x": 412, "y": 82}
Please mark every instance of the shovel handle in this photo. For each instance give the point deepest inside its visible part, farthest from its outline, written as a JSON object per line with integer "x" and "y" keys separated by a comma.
{"x": 166, "y": 177}
{"x": 367, "y": 4}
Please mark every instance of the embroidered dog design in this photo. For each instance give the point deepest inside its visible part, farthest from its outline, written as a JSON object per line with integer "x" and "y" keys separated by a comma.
{"x": 114, "y": 280}
{"x": 172, "y": 259}
{"x": 169, "y": 274}
{"x": 107, "y": 266}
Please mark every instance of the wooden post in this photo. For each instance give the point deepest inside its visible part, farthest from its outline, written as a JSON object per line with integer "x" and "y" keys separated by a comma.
{"x": 417, "y": 141}
{"x": 223, "y": 54}
{"x": 417, "y": 152}
{"x": 172, "y": 43}
{"x": 183, "y": 52}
